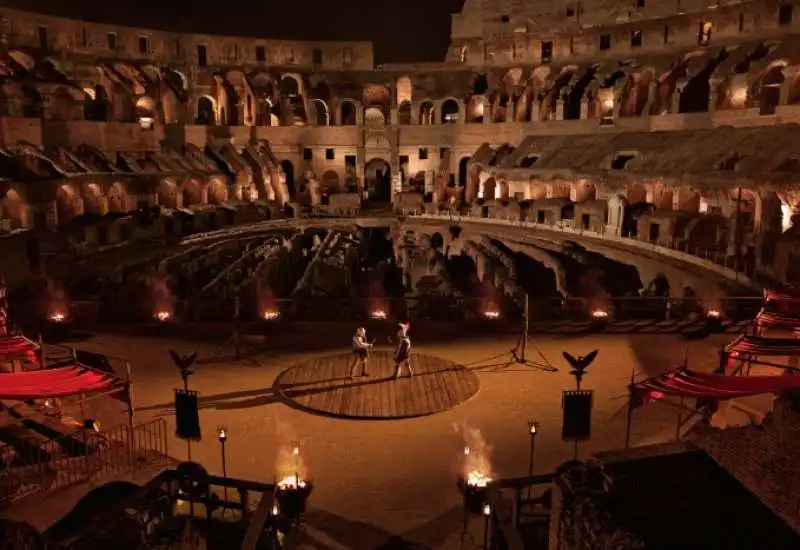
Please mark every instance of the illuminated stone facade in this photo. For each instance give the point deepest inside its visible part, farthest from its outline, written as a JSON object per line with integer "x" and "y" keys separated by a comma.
{"x": 583, "y": 110}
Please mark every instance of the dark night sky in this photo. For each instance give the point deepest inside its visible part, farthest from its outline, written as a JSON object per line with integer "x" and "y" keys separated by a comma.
{"x": 408, "y": 30}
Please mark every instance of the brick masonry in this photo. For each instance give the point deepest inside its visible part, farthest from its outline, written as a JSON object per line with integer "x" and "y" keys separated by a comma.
{"x": 763, "y": 458}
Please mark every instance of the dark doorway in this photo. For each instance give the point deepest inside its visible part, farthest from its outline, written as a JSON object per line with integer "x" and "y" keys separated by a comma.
{"x": 586, "y": 221}
{"x": 378, "y": 180}
{"x": 205, "y": 112}
{"x": 463, "y": 171}
{"x": 655, "y": 229}
{"x": 288, "y": 169}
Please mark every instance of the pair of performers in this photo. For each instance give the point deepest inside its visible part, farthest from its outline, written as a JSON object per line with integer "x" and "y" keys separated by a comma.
{"x": 402, "y": 355}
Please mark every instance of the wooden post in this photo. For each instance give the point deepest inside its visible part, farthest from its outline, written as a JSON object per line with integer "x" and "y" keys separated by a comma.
{"x": 630, "y": 410}
{"x": 525, "y": 327}
{"x": 129, "y": 403}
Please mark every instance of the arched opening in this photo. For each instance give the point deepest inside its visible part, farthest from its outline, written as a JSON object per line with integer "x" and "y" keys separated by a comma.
{"x": 376, "y": 97}
{"x": 63, "y": 106}
{"x": 231, "y": 116}
{"x": 537, "y": 190}
{"x": 450, "y": 112}
{"x": 463, "y": 171}
{"x": 96, "y": 104}
{"x": 217, "y": 192}
{"x": 688, "y": 200}
{"x": 499, "y": 101}
{"x": 329, "y": 184}
{"x": 192, "y": 193}
{"x": 93, "y": 199}
{"x": 322, "y": 114}
{"x": 167, "y": 194}
{"x": 476, "y": 109}
{"x": 404, "y": 113}
{"x": 638, "y": 93}
{"x": 347, "y": 113}
{"x": 696, "y": 94}
{"x": 117, "y": 198}
{"x": 426, "y": 113}
{"x": 288, "y": 171}
{"x": 572, "y": 105}
{"x": 769, "y": 92}
{"x": 289, "y": 87}
{"x": 146, "y": 110}
{"x": 636, "y": 193}
{"x": 206, "y": 112}
{"x": 31, "y": 101}
{"x": 12, "y": 208}
{"x": 480, "y": 85}
{"x": 292, "y": 99}
{"x": 66, "y": 204}
{"x": 377, "y": 180}
{"x": 489, "y": 189}
{"x": 585, "y": 191}
{"x": 404, "y": 90}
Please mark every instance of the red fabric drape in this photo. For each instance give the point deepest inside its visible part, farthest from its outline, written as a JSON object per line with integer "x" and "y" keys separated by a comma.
{"x": 758, "y": 345}
{"x": 777, "y": 319}
{"x": 15, "y": 346}
{"x": 59, "y": 382}
{"x": 700, "y": 385}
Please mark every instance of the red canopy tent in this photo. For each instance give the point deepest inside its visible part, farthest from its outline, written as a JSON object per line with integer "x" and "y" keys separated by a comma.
{"x": 58, "y": 382}
{"x": 683, "y": 382}
{"x": 778, "y": 319}
{"x": 16, "y": 346}
{"x": 747, "y": 344}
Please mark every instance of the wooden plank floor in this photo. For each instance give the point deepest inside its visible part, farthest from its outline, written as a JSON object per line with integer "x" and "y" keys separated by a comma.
{"x": 323, "y": 386}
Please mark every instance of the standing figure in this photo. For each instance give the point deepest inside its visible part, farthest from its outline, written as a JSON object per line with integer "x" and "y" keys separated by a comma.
{"x": 360, "y": 352}
{"x": 402, "y": 356}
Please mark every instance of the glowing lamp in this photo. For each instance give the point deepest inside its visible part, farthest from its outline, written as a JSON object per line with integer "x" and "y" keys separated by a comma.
{"x": 91, "y": 425}
{"x": 713, "y": 314}
{"x": 487, "y": 510}
{"x": 491, "y": 314}
{"x": 270, "y": 315}
{"x": 608, "y": 104}
{"x": 533, "y": 426}
{"x": 275, "y": 509}
{"x": 378, "y": 314}
{"x": 600, "y": 314}
{"x": 222, "y": 434}
{"x": 57, "y": 317}
{"x": 466, "y": 451}
{"x": 656, "y": 395}
{"x": 146, "y": 122}
{"x": 162, "y": 315}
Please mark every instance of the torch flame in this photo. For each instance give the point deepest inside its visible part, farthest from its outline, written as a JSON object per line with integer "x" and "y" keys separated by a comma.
{"x": 714, "y": 313}
{"x": 57, "y": 317}
{"x": 162, "y": 315}
{"x": 491, "y": 314}
{"x": 477, "y": 465}
{"x": 600, "y": 314}
{"x": 378, "y": 314}
{"x": 270, "y": 315}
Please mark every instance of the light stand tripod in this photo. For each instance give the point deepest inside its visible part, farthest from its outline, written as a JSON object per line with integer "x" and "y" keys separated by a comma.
{"x": 518, "y": 354}
{"x": 235, "y": 342}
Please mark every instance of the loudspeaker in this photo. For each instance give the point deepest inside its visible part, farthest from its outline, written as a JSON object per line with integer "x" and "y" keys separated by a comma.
{"x": 576, "y": 424}
{"x": 187, "y": 415}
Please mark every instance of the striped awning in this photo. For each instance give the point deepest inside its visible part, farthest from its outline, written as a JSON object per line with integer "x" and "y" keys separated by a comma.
{"x": 687, "y": 383}
{"x": 757, "y": 345}
{"x": 59, "y": 382}
{"x": 12, "y": 347}
{"x": 776, "y": 319}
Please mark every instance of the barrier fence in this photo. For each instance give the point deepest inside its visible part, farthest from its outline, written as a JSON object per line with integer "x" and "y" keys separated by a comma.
{"x": 30, "y": 465}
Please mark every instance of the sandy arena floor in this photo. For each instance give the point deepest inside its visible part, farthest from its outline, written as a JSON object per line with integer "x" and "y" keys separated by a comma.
{"x": 387, "y": 484}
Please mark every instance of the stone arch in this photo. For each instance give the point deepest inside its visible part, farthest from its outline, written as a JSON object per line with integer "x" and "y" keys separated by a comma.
{"x": 323, "y": 116}
{"x": 376, "y": 97}
{"x": 451, "y": 111}
{"x": 767, "y": 90}
{"x": 502, "y": 189}
{"x": 330, "y": 182}
{"x": 404, "y": 90}
{"x": 291, "y": 84}
{"x": 192, "y": 193}
{"x": 288, "y": 170}
{"x": 67, "y": 204}
{"x": 404, "y": 115}
{"x": 427, "y": 113}
{"x": 463, "y": 171}
{"x": 117, "y": 198}
{"x": 476, "y": 109}
{"x": 378, "y": 180}
{"x": 146, "y": 109}
{"x": 64, "y": 106}
{"x": 167, "y": 194}
{"x": 636, "y": 193}
{"x": 96, "y": 103}
{"x": 480, "y": 84}
{"x": 585, "y": 191}
{"x": 696, "y": 95}
{"x": 23, "y": 60}
{"x": 473, "y": 182}
{"x": 13, "y": 209}
{"x": 686, "y": 199}
{"x": 230, "y": 101}
{"x": 488, "y": 188}
{"x": 638, "y": 92}
{"x": 751, "y": 204}
{"x": 93, "y": 199}
{"x": 348, "y": 112}
{"x": 217, "y": 192}
{"x": 206, "y": 111}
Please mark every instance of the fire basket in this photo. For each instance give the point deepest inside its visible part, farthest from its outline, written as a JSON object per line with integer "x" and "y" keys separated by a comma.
{"x": 474, "y": 488}
{"x": 292, "y": 495}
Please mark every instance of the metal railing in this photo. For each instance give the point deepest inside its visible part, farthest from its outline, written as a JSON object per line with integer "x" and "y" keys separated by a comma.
{"x": 728, "y": 266}
{"x": 86, "y": 455}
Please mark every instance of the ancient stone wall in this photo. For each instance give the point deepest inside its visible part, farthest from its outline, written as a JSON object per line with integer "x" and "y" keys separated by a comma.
{"x": 763, "y": 458}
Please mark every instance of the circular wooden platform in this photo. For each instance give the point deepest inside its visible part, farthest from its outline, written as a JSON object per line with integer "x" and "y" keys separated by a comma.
{"x": 323, "y": 386}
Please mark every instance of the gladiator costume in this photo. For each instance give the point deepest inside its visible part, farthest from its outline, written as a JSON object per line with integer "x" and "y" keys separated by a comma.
{"x": 360, "y": 352}
{"x": 402, "y": 356}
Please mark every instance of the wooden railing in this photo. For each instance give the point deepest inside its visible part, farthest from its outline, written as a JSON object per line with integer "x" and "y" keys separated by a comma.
{"x": 506, "y": 513}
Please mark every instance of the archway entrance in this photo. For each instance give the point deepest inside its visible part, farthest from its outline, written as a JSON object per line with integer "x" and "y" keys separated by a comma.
{"x": 168, "y": 194}
{"x": 463, "y": 171}
{"x": 66, "y": 204}
{"x": 378, "y": 181}
{"x": 288, "y": 169}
